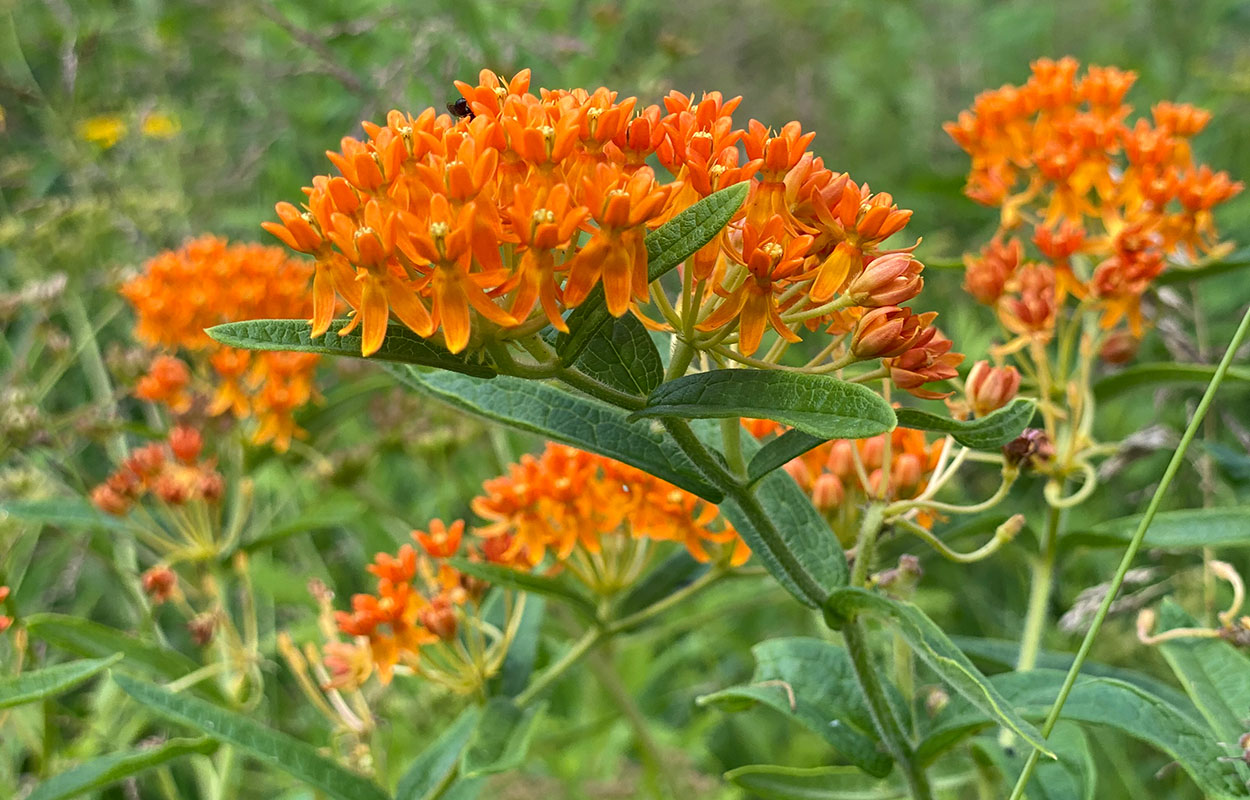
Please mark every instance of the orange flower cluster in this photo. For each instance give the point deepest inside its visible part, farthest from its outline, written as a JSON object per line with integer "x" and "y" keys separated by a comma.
{"x": 841, "y": 474}
{"x": 171, "y": 471}
{"x": 419, "y": 601}
{"x": 500, "y": 220}
{"x": 5, "y": 621}
{"x": 566, "y": 499}
{"x": 207, "y": 282}
{"x": 1109, "y": 202}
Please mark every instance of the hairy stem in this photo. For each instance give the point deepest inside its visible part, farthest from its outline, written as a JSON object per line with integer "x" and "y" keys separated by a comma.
{"x": 1043, "y": 574}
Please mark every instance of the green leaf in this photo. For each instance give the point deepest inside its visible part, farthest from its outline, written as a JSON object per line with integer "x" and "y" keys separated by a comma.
{"x": 565, "y": 417}
{"x": 1214, "y": 674}
{"x": 87, "y": 638}
{"x": 63, "y": 512}
{"x": 51, "y": 681}
{"x": 1162, "y": 373}
{"x": 781, "y": 451}
{"x": 934, "y": 648}
{"x": 1073, "y": 776}
{"x": 817, "y": 404}
{"x": 501, "y": 739}
{"x": 430, "y": 768}
{"x": 774, "y": 782}
{"x": 274, "y": 748}
{"x": 623, "y": 356}
{"x": 104, "y": 771}
{"x": 1236, "y": 261}
{"x": 332, "y": 512}
{"x": 1004, "y": 653}
{"x": 987, "y": 433}
{"x": 1097, "y": 701}
{"x": 803, "y": 532}
{"x": 670, "y": 575}
{"x": 518, "y": 663}
{"x": 401, "y": 344}
{"x": 817, "y": 676}
{"x": 667, "y": 246}
{"x": 1184, "y": 529}
{"x": 559, "y": 587}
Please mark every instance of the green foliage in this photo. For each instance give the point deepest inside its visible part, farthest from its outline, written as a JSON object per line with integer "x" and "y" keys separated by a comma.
{"x": 51, "y": 681}
{"x": 99, "y": 773}
{"x": 987, "y": 433}
{"x": 622, "y": 355}
{"x": 438, "y": 761}
{"x": 1183, "y": 529}
{"x": 280, "y": 751}
{"x": 815, "y": 404}
{"x": 1165, "y": 373}
{"x": 780, "y": 451}
{"x": 559, "y": 588}
{"x": 501, "y": 738}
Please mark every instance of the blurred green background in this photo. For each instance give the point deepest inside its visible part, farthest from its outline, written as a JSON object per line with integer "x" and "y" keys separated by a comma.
{"x": 128, "y": 126}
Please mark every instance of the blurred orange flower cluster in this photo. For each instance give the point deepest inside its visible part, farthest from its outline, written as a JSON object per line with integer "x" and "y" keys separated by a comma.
{"x": 206, "y": 282}
{"x": 170, "y": 471}
{"x": 1109, "y": 202}
{"x": 5, "y": 621}
{"x": 840, "y": 475}
{"x": 497, "y": 221}
{"x": 568, "y": 500}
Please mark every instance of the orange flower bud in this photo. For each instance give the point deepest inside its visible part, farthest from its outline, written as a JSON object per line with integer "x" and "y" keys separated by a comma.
{"x": 872, "y": 451}
{"x": 211, "y": 486}
{"x": 1120, "y": 347}
{"x": 439, "y": 618}
{"x": 172, "y": 490}
{"x": 827, "y": 492}
{"x": 841, "y": 460}
{"x": 890, "y": 331}
{"x": 159, "y": 583}
{"x": 799, "y": 470}
{"x": 928, "y": 361}
{"x": 990, "y": 388}
{"x": 887, "y": 281}
{"x": 147, "y": 461}
{"x": 108, "y": 500}
{"x": 185, "y": 442}
{"x": 906, "y": 471}
{"x": 986, "y": 277}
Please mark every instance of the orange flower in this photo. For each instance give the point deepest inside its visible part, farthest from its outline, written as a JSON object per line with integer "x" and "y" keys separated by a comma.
{"x": 5, "y": 621}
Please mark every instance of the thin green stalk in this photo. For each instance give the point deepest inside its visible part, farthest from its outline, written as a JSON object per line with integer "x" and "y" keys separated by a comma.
{"x": 652, "y": 757}
{"x": 694, "y": 587}
{"x": 731, "y": 437}
{"x": 227, "y": 772}
{"x": 879, "y": 708}
{"x": 679, "y": 360}
{"x": 1043, "y": 575}
{"x": 1134, "y": 545}
{"x": 550, "y": 675}
{"x": 869, "y": 527}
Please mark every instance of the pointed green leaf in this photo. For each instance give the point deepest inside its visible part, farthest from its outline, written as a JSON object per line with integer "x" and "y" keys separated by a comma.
{"x": 931, "y": 644}
{"x": 1234, "y": 262}
{"x": 774, "y": 782}
{"x": 401, "y": 344}
{"x": 1196, "y": 375}
{"x": 51, "y": 681}
{"x": 87, "y": 638}
{"x": 518, "y": 663}
{"x": 781, "y": 451}
{"x": 623, "y": 356}
{"x": 559, "y": 588}
{"x": 667, "y": 246}
{"x": 817, "y": 404}
{"x": 99, "y": 773}
{"x": 430, "y": 768}
{"x": 329, "y": 512}
{"x": 811, "y": 682}
{"x": 669, "y": 575}
{"x": 1214, "y": 674}
{"x": 1183, "y": 529}
{"x": 803, "y": 531}
{"x": 567, "y": 418}
{"x": 63, "y": 512}
{"x": 501, "y": 739}
{"x": 1097, "y": 701}
{"x": 1073, "y": 776}
{"x": 987, "y": 433}
{"x": 284, "y": 753}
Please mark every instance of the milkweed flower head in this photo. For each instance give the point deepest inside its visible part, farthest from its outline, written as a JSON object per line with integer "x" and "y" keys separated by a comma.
{"x": 206, "y": 282}
{"x": 1107, "y": 203}
{"x": 5, "y": 621}
{"x": 495, "y": 223}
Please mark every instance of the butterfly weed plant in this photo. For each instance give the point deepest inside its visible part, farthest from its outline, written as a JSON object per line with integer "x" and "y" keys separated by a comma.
{"x": 728, "y": 347}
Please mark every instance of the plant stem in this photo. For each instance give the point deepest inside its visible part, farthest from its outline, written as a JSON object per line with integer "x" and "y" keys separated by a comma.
{"x": 699, "y": 584}
{"x": 866, "y": 673}
{"x": 731, "y": 437}
{"x": 679, "y": 360}
{"x": 869, "y": 527}
{"x": 571, "y": 656}
{"x": 1134, "y": 545}
{"x": 1043, "y": 575}
{"x": 601, "y": 664}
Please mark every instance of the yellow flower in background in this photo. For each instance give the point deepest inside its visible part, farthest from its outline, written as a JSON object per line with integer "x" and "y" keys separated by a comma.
{"x": 105, "y": 130}
{"x": 158, "y": 125}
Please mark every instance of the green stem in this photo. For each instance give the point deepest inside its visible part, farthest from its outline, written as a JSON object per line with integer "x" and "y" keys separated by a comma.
{"x": 1134, "y": 545}
{"x": 227, "y": 769}
{"x": 601, "y": 664}
{"x": 571, "y": 656}
{"x": 869, "y": 527}
{"x": 879, "y": 708}
{"x": 699, "y": 584}
{"x": 731, "y": 438}
{"x": 1043, "y": 574}
{"x": 679, "y": 360}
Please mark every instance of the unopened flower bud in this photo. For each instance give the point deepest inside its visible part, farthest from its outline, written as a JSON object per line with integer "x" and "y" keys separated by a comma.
{"x": 799, "y": 470}
{"x": 186, "y": 443}
{"x": 211, "y": 486}
{"x": 890, "y": 331}
{"x": 1119, "y": 347}
{"x": 906, "y": 471}
{"x": 439, "y": 618}
{"x": 872, "y": 451}
{"x": 109, "y": 501}
{"x": 986, "y": 276}
{"x": 171, "y": 490}
{"x": 827, "y": 492}
{"x": 990, "y": 388}
{"x": 1031, "y": 446}
{"x": 147, "y": 461}
{"x": 159, "y": 583}
{"x": 887, "y": 281}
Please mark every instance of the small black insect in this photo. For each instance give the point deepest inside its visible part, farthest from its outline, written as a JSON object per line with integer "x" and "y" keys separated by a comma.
{"x": 460, "y": 109}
